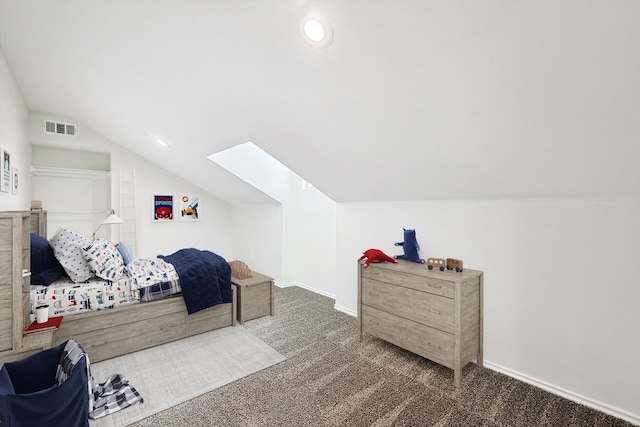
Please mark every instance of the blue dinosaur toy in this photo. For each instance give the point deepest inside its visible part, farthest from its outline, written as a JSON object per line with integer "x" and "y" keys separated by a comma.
{"x": 410, "y": 246}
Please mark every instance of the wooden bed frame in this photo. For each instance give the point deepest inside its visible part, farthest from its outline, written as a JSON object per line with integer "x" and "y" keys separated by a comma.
{"x": 109, "y": 333}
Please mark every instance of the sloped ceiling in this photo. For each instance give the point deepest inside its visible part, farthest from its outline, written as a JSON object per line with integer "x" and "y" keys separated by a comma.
{"x": 413, "y": 100}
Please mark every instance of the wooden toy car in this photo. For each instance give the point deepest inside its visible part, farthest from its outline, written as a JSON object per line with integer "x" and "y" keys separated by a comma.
{"x": 436, "y": 263}
{"x": 454, "y": 264}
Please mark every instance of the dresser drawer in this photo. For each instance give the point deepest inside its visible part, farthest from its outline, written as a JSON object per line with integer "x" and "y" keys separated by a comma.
{"x": 422, "y": 307}
{"x": 423, "y": 340}
{"x": 411, "y": 281}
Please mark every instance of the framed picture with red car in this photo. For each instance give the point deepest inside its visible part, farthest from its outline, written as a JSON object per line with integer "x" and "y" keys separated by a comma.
{"x": 162, "y": 208}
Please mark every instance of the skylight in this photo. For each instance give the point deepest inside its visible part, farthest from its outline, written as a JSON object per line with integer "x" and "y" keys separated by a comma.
{"x": 256, "y": 167}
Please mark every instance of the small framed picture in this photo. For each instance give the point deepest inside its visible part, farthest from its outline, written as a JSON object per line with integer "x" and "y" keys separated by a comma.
{"x": 5, "y": 184}
{"x": 162, "y": 208}
{"x": 189, "y": 207}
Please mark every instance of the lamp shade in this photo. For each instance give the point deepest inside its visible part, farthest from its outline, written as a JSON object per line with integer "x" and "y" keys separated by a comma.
{"x": 112, "y": 218}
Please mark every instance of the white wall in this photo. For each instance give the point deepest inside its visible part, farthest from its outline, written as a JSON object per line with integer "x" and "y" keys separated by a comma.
{"x": 14, "y": 138}
{"x": 212, "y": 232}
{"x": 293, "y": 241}
{"x": 307, "y": 222}
{"x": 257, "y": 237}
{"x": 310, "y": 239}
{"x": 561, "y": 295}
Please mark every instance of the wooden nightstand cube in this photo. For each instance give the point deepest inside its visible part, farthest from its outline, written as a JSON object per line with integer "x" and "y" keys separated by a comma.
{"x": 255, "y": 296}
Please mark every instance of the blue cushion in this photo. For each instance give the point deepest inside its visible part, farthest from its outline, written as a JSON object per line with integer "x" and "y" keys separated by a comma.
{"x": 45, "y": 267}
{"x": 125, "y": 252}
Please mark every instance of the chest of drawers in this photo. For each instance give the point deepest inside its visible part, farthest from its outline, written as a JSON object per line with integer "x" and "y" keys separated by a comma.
{"x": 435, "y": 314}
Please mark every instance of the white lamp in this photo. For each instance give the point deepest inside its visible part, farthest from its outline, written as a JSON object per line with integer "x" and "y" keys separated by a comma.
{"x": 111, "y": 219}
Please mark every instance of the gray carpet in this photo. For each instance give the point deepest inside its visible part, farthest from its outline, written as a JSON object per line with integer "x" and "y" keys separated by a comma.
{"x": 175, "y": 372}
{"x": 330, "y": 378}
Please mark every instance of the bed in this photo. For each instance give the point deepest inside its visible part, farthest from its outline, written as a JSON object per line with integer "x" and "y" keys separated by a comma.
{"x": 133, "y": 311}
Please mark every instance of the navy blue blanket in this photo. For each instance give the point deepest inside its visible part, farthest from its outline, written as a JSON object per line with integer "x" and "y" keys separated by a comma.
{"x": 205, "y": 278}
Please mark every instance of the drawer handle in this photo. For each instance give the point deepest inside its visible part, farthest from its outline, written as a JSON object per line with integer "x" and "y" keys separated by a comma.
{"x": 434, "y": 346}
{"x": 435, "y": 286}
{"x": 431, "y": 310}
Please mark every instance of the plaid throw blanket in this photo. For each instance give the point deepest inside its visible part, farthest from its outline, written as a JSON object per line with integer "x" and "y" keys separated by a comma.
{"x": 105, "y": 398}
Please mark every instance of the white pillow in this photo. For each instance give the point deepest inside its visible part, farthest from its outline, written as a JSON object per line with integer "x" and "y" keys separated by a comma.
{"x": 67, "y": 247}
{"x": 104, "y": 259}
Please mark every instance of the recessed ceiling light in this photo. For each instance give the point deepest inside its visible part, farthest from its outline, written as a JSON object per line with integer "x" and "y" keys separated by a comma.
{"x": 162, "y": 143}
{"x": 317, "y": 31}
{"x": 314, "y": 30}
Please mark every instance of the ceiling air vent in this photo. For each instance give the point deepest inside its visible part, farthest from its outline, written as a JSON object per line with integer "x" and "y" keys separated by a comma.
{"x": 59, "y": 128}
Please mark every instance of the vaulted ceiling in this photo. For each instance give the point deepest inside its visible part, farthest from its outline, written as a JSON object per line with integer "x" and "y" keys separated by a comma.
{"x": 413, "y": 99}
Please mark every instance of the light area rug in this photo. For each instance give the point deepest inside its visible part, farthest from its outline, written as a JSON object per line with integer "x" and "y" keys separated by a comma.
{"x": 172, "y": 373}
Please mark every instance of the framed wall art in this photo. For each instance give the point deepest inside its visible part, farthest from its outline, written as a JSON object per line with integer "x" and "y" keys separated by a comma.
{"x": 189, "y": 207}
{"x": 162, "y": 208}
{"x": 5, "y": 184}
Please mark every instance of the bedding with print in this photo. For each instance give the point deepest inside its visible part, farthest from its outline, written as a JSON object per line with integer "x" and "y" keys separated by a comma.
{"x": 146, "y": 272}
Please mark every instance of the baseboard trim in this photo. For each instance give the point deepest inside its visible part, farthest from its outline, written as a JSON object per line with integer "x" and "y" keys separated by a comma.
{"x": 283, "y": 285}
{"x": 345, "y": 310}
{"x": 602, "y": 407}
{"x": 309, "y": 288}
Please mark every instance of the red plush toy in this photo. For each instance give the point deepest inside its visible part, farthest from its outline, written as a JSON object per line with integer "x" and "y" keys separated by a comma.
{"x": 375, "y": 255}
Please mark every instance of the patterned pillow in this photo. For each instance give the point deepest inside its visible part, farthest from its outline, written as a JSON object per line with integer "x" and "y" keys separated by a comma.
{"x": 67, "y": 247}
{"x": 104, "y": 259}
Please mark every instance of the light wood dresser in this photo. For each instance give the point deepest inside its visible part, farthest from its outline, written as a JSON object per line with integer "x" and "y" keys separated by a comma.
{"x": 435, "y": 314}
